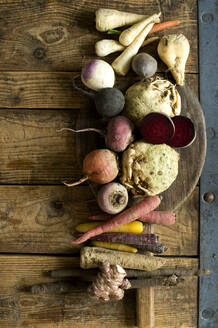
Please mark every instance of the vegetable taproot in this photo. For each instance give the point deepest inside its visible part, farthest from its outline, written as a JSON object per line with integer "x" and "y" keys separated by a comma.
{"x": 108, "y": 101}
{"x": 127, "y": 216}
{"x": 99, "y": 166}
{"x": 174, "y": 51}
{"x": 184, "y": 132}
{"x": 121, "y": 64}
{"x": 114, "y": 246}
{"x": 129, "y": 35}
{"x": 92, "y": 257}
{"x": 98, "y": 74}
{"x": 135, "y": 227}
{"x": 144, "y": 65}
{"x": 107, "y": 19}
{"x": 112, "y": 198}
{"x": 127, "y": 238}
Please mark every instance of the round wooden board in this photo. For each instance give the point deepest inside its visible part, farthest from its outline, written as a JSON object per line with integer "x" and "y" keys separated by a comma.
{"x": 191, "y": 158}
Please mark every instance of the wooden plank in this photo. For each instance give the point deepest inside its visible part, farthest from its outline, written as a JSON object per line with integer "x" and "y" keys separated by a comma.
{"x": 40, "y": 219}
{"x": 60, "y": 35}
{"x": 53, "y": 90}
{"x": 175, "y": 307}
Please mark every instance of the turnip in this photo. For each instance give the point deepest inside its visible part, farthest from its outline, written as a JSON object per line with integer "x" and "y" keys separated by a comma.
{"x": 144, "y": 65}
{"x": 118, "y": 134}
{"x": 99, "y": 166}
{"x": 174, "y": 50}
{"x": 98, "y": 74}
{"x": 108, "y": 101}
{"x": 112, "y": 198}
{"x": 107, "y": 19}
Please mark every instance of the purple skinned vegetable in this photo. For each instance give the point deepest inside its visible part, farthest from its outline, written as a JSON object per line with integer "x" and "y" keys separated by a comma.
{"x": 118, "y": 134}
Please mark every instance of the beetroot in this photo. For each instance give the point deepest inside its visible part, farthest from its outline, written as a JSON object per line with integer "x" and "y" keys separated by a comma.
{"x": 184, "y": 132}
{"x": 118, "y": 134}
{"x": 157, "y": 128}
{"x": 99, "y": 166}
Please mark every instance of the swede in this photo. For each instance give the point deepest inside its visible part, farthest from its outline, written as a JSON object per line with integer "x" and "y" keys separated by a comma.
{"x": 174, "y": 51}
{"x": 98, "y": 74}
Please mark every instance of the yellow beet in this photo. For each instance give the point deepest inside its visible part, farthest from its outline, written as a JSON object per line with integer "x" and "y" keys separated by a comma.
{"x": 116, "y": 246}
{"x": 132, "y": 227}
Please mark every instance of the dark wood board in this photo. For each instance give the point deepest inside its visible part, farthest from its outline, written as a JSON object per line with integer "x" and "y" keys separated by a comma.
{"x": 191, "y": 158}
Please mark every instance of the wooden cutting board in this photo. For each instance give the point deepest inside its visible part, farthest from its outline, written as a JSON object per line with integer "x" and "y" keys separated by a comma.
{"x": 191, "y": 158}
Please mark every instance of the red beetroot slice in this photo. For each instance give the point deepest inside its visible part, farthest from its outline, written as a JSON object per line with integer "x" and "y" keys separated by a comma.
{"x": 184, "y": 132}
{"x": 157, "y": 128}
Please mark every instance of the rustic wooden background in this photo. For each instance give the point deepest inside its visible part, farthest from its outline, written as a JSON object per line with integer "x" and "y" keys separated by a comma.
{"x": 43, "y": 43}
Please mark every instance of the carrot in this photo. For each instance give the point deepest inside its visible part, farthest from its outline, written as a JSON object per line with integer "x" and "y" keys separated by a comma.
{"x": 163, "y": 26}
{"x": 129, "y": 215}
{"x": 155, "y": 217}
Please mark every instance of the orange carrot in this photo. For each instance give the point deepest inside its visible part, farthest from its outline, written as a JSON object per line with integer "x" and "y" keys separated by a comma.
{"x": 131, "y": 214}
{"x": 163, "y": 26}
{"x": 155, "y": 217}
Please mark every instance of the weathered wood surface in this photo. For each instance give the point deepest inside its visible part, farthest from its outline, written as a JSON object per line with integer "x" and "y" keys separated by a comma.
{"x": 59, "y": 35}
{"x": 54, "y": 90}
{"x": 176, "y": 307}
{"x": 41, "y": 219}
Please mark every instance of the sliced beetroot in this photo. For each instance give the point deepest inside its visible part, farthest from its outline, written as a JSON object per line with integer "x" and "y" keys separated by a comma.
{"x": 184, "y": 132}
{"x": 157, "y": 128}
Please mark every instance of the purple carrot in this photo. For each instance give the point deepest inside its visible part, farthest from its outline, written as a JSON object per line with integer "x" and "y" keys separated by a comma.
{"x": 154, "y": 248}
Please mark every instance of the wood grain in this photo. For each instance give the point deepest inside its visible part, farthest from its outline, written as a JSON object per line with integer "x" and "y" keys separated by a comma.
{"x": 40, "y": 219}
{"x": 59, "y": 35}
{"x": 54, "y": 90}
{"x": 18, "y": 308}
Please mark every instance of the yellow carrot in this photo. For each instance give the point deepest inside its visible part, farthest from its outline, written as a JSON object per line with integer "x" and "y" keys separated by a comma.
{"x": 132, "y": 227}
{"x": 115, "y": 246}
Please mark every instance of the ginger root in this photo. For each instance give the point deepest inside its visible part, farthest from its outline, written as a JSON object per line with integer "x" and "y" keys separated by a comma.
{"x": 110, "y": 283}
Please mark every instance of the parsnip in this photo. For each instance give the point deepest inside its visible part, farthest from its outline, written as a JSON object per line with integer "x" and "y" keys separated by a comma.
{"x": 107, "y": 19}
{"x": 106, "y": 47}
{"x": 173, "y": 51}
{"x": 121, "y": 64}
{"x": 128, "y": 35}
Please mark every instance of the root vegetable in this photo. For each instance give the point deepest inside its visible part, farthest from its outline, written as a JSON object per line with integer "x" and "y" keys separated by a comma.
{"x": 155, "y": 217}
{"x": 114, "y": 246}
{"x": 148, "y": 169}
{"x": 129, "y": 35}
{"x": 107, "y": 19}
{"x": 184, "y": 132}
{"x": 163, "y": 26}
{"x": 144, "y": 65}
{"x": 97, "y": 75}
{"x": 154, "y": 248}
{"x": 174, "y": 51}
{"x": 154, "y": 95}
{"x": 157, "y": 128}
{"x": 110, "y": 283}
{"x": 127, "y": 238}
{"x": 127, "y": 216}
{"x": 119, "y": 133}
{"x": 108, "y": 101}
{"x": 99, "y": 166}
{"x": 92, "y": 257}
{"x": 135, "y": 227}
{"x": 122, "y": 64}
{"x": 106, "y": 47}
{"x": 112, "y": 198}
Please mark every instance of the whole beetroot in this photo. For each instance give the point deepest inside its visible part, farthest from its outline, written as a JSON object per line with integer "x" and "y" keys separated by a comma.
{"x": 119, "y": 133}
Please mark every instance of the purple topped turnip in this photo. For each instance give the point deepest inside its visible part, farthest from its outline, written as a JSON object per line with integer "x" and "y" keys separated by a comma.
{"x": 98, "y": 74}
